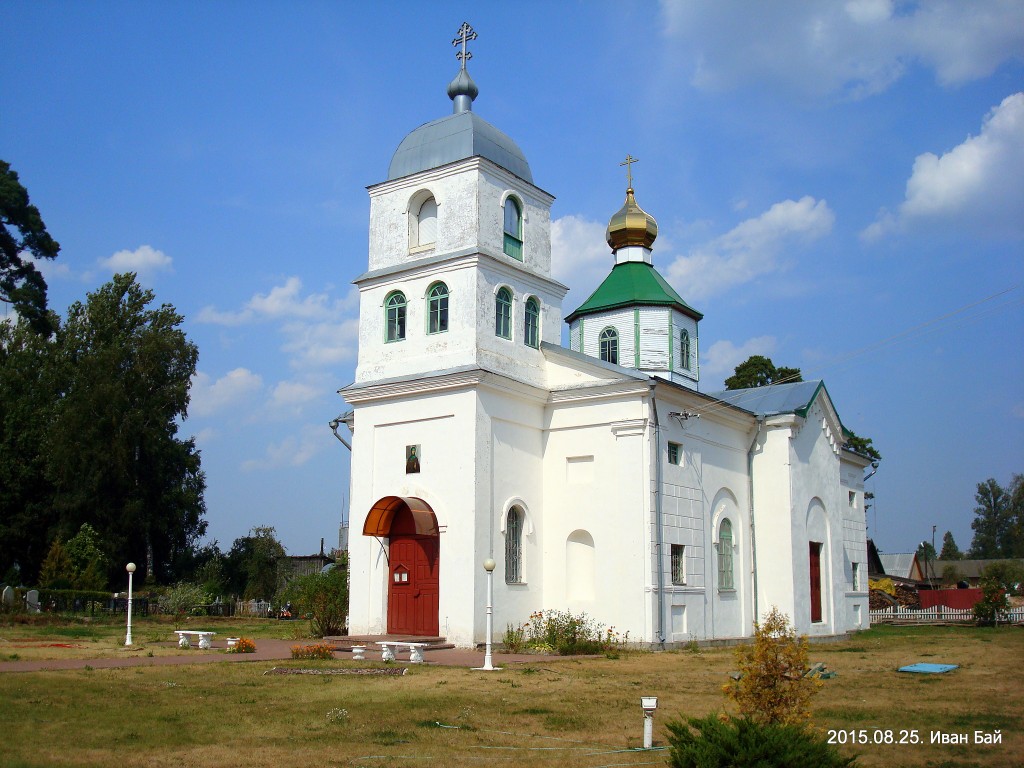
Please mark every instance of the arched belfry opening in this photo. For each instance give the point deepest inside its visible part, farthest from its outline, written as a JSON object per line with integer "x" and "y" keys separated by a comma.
{"x": 411, "y": 528}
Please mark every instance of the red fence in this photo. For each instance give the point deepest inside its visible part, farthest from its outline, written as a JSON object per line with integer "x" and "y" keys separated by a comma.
{"x": 951, "y": 598}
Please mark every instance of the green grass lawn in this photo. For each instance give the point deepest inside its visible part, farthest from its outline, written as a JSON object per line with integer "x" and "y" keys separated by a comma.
{"x": 562, "y": 712}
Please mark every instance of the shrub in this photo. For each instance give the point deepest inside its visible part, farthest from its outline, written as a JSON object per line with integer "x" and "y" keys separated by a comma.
{"x": 244, "y": 645}
{"x": 562, "y": 632}
{"x": 183, "y": 598}
{"x": 713, "y": 742}
{"x": 772, "y": 687}
{"x": 324, "y": 598}
{"x": 993, "y": 605}
{"x": 318, "y": 651}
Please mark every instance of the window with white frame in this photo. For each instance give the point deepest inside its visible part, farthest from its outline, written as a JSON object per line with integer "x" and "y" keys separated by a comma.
{"x": 424, "y": 229}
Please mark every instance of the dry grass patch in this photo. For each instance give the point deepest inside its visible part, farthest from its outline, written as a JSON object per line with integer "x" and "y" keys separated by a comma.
{"x": 565, "y": 712}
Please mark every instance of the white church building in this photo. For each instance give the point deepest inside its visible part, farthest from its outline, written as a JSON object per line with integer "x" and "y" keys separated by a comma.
{"x": 598, "y": 477}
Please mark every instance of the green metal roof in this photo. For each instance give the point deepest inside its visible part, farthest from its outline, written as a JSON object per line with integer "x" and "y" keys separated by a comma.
{"x": 633, "y": 283}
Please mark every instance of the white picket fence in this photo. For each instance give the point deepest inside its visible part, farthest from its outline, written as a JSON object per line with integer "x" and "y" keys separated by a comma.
{"x": 936, "y": 614}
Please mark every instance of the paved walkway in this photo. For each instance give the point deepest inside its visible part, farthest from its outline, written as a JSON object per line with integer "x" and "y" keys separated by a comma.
{"x": 266, "y": 650}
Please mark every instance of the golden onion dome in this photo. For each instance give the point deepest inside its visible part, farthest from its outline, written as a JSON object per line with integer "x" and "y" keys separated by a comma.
{"x": 632, "y": 225}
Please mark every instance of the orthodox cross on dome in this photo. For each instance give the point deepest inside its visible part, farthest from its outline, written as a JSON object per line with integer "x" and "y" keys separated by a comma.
{"x": 628, "y": 162}
{"x": 466, "y": 33}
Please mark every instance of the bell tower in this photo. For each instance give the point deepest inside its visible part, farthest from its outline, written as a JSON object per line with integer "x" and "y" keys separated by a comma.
{"x": 459, "y": 252}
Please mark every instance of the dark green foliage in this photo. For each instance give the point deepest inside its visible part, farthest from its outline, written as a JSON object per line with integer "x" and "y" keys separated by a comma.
{"x": 22, "y": 231}
{"x": 252, "y": 564}
{"x": 998, "y": 523}
{"x": 1008, "y": 574}
{"x": 324, "y": 598}
{"x": 950, "y": 551}
{"x": 88, "y": 434}
{"x": 760, "y": 371}
{"x": 863, "y": 446}
{"x": 710, "y": 742}
{"x": 994, "y": 603}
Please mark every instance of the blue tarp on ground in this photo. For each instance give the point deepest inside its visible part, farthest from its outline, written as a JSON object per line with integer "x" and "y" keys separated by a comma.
{"x": 924, "y": 668}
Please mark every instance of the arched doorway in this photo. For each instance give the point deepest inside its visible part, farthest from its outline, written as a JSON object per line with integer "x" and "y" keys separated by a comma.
{"x": 413, "y": 563}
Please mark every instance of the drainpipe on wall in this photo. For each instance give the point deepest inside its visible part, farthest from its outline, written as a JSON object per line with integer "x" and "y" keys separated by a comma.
{"x": 750, "y": 501}
{"x": 658, "y": 534}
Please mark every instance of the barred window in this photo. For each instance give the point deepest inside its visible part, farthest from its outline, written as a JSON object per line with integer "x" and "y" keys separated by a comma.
{"x": 679, "y": 564}
{"x": 514, "y": 546}
{"x": 725, "y": 580}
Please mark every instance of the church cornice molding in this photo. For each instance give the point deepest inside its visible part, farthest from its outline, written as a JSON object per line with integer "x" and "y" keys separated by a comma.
{"x": 464, "y": 258}
{"x": 357, "y": 394}
{"x": 603, "y": 390}
{"x": 476, "y": 163}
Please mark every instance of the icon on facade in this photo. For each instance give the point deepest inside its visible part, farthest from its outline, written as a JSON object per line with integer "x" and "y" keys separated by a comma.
{"x": 412, "y": 459}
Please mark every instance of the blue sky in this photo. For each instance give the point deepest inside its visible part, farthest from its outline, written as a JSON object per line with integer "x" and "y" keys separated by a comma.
{"x": 839, "y": 186}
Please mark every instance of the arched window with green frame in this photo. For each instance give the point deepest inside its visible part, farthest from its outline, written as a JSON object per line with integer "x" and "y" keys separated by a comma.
{"x": 609, "y": 345}
{"x": 503, "y": 314}
{"x": 394, "y": 316}
{"x": 437, "y": 308}
{"x": 531, "y": 326}
{"x": 513, "y": 228}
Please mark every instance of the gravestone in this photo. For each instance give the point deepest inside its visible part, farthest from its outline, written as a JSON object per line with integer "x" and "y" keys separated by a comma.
{"x": 32, "y": 601}
{"x": 7, "y": 598}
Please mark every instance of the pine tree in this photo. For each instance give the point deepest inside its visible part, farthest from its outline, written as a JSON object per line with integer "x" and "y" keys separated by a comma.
{"x": 950, "y": 551}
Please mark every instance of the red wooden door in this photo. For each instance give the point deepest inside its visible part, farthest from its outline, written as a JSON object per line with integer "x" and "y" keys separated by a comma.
{"x": 412, "y": 580}
{"x": 815, "y": 552}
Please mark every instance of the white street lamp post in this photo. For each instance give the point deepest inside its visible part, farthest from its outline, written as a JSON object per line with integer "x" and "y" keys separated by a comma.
{"x": 648, "y": 704}
{"x": 131, "y": 570}
{"x": 489, "y": 567}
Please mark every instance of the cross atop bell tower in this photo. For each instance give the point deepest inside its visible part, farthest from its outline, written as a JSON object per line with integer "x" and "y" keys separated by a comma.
{"x": 465, "y": 34}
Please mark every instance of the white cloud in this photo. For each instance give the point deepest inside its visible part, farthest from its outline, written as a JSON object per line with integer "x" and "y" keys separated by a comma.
{"x": 145, "y": 261}
{"x": 292, "y": 451}
{"x": 321, "y": 344}
{"x": 317, "y": 330}
{"x": 977, "y": 184}
{"x": 292, "y": 395}
{"x": 282, "y": 301}
{"x": 721, "y": 358}
{"x": 751, "y": 249}
{"x": 233, "y": 390}
{"x": 858, "y": 48}
{"x": 580, "y": 257}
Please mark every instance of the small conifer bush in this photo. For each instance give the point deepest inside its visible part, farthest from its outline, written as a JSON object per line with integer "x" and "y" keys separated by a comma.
{"x": 720, "y": 742}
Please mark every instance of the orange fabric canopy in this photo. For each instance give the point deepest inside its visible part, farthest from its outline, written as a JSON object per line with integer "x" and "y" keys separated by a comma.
{"x": 378, "y": 521}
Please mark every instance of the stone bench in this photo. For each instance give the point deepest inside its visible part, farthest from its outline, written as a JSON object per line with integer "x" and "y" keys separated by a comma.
{"x": 388, "y": 647}
{"x": 185, "y": 634}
